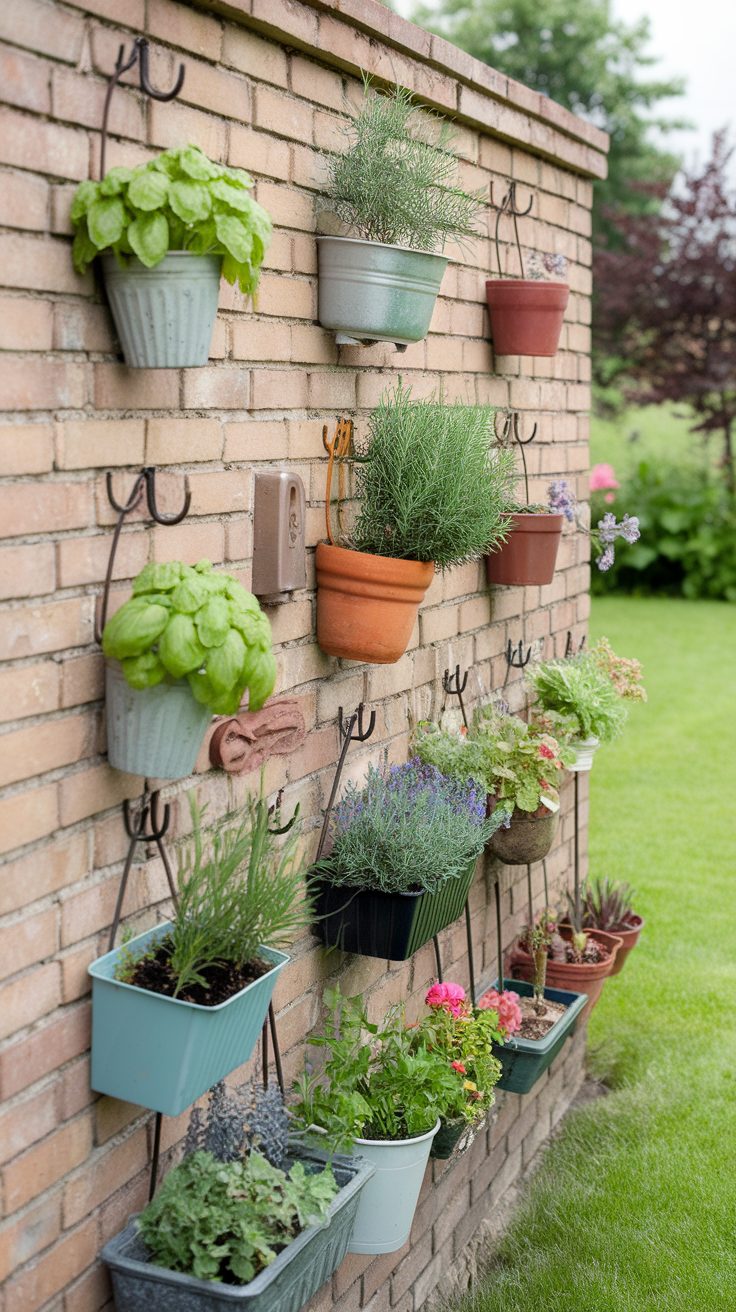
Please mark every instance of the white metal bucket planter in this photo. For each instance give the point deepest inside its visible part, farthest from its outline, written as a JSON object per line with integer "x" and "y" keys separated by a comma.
{"x": 585, "y": 749}
{"x": 369, "y": 292}
{"x": 164, "y": 316}
{"x": 389, "y": 1201}
{"x": 154, "y": 732}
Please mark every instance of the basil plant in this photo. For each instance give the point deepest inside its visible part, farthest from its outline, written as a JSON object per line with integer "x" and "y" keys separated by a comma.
{"x": 190, "y": 622}
{"x": 179, "y": 201}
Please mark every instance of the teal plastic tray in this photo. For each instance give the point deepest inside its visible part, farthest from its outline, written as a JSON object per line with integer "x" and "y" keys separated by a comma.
{"x": 524, "y": 1061}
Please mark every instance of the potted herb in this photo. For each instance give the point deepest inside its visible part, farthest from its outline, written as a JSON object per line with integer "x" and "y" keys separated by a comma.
{"x": 526, "y": 313}
{"x": 380, "y": 1092}
{"x": 166, "y": 232}
{"x": 578, "y": 961}
{"x": 395, "y": 189}
{"x": 185, "y": 647}
{"x": 529, "y": 553}
{"x": 582, "y": 698}
{"x": 404, "y": 848}
{"x": 607, "y": 904}
{"x": 516, "y": 765}
{"x": 465, "y": 1036}
{"x": 180, "y": 1006}
{"x": 245, "y": 1220}
{"x": 431, "y": 491}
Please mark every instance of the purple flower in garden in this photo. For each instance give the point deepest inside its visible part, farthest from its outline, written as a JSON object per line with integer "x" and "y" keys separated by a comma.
{"x": 607, "y": 529}
{"x": 630, "y": 531}
{"x": 605, "y": 560}
{"x": 562, "y": 499}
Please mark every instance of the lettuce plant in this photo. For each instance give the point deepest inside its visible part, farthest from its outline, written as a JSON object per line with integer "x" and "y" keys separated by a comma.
{"x": 179, "y": 201}
{"x": 189, "y": 622}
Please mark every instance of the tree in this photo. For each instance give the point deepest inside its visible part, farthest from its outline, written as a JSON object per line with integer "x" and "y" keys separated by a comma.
{"x": 667, "y": 300}
{"x": 576, "y": 53}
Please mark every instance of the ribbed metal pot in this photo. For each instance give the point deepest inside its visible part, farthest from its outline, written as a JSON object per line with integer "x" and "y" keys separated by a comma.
{"x": 153, "y": 732}
{"x": 376, "y": 293}
{"x": 164, "y": 316}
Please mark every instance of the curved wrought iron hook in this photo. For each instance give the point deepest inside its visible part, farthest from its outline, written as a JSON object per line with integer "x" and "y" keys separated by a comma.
{"x": 142, "y": 45}
{"x": 508, "y": 206}
{"x": 363, "y": 733}
{"x": 570, "y": 645}
{"x": 149, "y": 474}
{"x": 275, "y": 810}
{"x": 523, "y": 441}
{"x": 123, "y": 65}
{"x": 453, "y": 683}
{"x": 515, "y": 655}
{"x": 134, "y": 497}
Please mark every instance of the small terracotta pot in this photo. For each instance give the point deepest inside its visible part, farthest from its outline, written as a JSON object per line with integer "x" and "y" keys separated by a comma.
{"x": 367, "y": 605}
{"x": 528, "y": 838}
{"x": 526, "y": 315}
{"x": 529, "y": 554}
{"x": 581, "y": 978}
{"x": 629, "y": 939}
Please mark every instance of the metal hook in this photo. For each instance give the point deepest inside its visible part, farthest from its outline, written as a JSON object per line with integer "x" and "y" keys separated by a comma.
{"x": 123, "y": 65}
{"x": 275, "y": 810}
{"x": 337, "y": 449}
{"x": 150, "y": 477}
{"x": 346, "y": 729}
{"x": 135, "y": 819}
{"x": 570, "y": 645}
{"x": 508, "y": 206}
{"x": 515, "y": 655}
{"x": 511, "y": 429}
{"x": 454, "y": 686}
{"x": 142, "y": 45}
{"x": 356, "y": 723}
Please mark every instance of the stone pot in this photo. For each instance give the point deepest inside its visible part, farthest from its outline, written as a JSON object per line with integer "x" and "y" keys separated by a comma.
{"x": 526, "y": 315}
{"x": 367, "y": 605}
{"x": 528, "y": 838}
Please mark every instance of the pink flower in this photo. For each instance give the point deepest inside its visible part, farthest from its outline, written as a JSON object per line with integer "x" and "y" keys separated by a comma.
{"x": 546, "y": 752}
{"x": 451, "y": 997}
{"x": 602, "y": 477}
{"x": 507, "y": 1006}
{"x": 458, "y": 1066}
{"x": 610, "y": 497}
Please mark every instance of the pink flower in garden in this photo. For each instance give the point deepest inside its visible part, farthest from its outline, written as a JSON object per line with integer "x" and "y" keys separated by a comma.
{"x": 458, "y": 1066}
{"x": 601, "y": 477}
{"x": 546, "y": 752}
{"x": 507, "y": 1006}
{"x": 451, "y": 997}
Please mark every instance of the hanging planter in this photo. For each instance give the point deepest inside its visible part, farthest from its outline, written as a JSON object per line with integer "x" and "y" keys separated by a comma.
{"x": 187, "y": 645}
{"x": 526, "y": 313}
{"x": 388, "y": 1202}
{"x": 367, "y": 605}
{"x": 529, "y": 837}
{"x": 295, "y": 1274}
{"x": 529, "y": 554}
{"x": 585, "y": 750}
{"x": 578, "y": 977}
{"x": 412, "y": 519}
{"x": 629, "y": 936}
{"x": 170, "y": 228}
{"x": 393, "y": 190}
{"x": 524, "y": 1060}
{"x": 160, "y": 1052}
{"x": 454, "y": 1138}
{"x": 392, "y": 926}
{"x": 370, "y": 292}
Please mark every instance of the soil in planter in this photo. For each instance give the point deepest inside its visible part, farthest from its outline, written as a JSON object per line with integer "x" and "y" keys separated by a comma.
{"x": 534, "y": 1025}
{"x": 593, "y": 952}
{"x": 153, "y": 972}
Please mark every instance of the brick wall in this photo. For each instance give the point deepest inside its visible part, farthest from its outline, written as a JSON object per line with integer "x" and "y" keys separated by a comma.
{"x": 268, "y": 83}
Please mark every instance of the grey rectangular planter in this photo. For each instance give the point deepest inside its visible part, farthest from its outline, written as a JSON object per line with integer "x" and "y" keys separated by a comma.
{"x": 285, "y": 1286}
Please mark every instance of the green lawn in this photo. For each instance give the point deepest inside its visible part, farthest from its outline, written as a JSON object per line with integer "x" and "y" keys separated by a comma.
{"x": 634, "y": 1208}
{"x": 657, "y": 431}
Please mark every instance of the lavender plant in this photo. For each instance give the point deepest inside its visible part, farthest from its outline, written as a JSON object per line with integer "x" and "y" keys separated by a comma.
{"x": 238, "y": 1121}
{"x": 409, "y": 827}
{"x": 561, "y": 500}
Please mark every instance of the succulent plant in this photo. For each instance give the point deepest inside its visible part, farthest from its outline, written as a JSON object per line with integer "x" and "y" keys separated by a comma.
{"x": 606, "y": 904}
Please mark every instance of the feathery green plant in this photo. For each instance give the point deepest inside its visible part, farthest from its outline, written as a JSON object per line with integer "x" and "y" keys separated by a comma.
{"x": 578, "y": 696}
{"x": 237, "y": 890}
{"x": 396, "y": 182}
{"x": 429, "y": 482}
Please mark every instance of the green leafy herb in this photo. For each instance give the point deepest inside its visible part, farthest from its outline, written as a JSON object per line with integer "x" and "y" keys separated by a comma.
{"x": 187, "y": 621}
{"x": 576, "y": 697}
{"x": 180, "y": 201}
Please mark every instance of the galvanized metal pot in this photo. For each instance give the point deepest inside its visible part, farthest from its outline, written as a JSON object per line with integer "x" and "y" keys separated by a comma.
{"x": 389, "y": 1201}
{"x": 164, "y": 316}
{"x": 154, "y": 732}
{"x": 369, "y": 292}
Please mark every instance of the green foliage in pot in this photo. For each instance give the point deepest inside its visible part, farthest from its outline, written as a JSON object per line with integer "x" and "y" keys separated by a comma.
{"x": 239, "y": 887}
{"x": 430, "y": 484}
{"x": 377, "y": 1081}
{"x": 189, "y": 621}
{"x": 576, "y": 697}
{"x": 179, "y": 201}
{"x": 227, "y": 1210}
{"x": 407, "y": 829}
{"x": 606, "y": 904}
{"x": 396, "y": 182}
{"x": 515, "y": 762}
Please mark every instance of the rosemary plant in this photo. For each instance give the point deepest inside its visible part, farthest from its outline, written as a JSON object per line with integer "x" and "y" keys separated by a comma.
{"x": 397, "y": 181}
{"x": 238, "y": 890}
{"x": 431, "y": 486}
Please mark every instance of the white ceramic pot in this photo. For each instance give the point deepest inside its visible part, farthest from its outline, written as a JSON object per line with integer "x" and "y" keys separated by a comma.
{"x": 585, "y": 749}
{"x": 389, "y": 1201}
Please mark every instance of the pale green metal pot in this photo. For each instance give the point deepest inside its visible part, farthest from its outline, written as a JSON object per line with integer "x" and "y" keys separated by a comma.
{"x": 369, "y": 292}
{"x": 164, "y": 316}
{"x": 154, "y": 732}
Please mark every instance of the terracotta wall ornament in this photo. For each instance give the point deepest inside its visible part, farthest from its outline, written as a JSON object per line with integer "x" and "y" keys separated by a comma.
{"x": 241, "y": 743}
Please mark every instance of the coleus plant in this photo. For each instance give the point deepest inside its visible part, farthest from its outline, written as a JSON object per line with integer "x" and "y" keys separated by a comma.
{"x": 192, "y": 622}
{"x": 179, "y": 201}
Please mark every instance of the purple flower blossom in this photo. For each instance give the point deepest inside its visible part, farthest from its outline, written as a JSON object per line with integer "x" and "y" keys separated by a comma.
{"x": 562, "y": 499}
{"x": 605, "y": 560}
{"x": 630, "y": 530}
{"x": 608, "y": 530}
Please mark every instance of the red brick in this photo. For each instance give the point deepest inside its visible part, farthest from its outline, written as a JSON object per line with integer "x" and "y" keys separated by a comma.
{"x": 88, "y": 791}
{"x": 23, "y": 943}
{"x": 105, "y": 1171}
{"x": 255, "y": 440}
{"x": 24, "y": 201}
{"x": 27, "y": 816}
{"x": 29, "y": 998}
{"x": 46, "y": 627}
{"x": 26, "y": 879}
{"x": 36, "y": 749}
{"x": 185, "y": 28}
{"x": 250, "y": 54}
{"x": 215, "y": 388}
{"x": 80, "y": 98}
{"x": 257, "y": 152}
{"x": 29, "y": 690}
{"x": 28, "y": 1235}
{"x": 279, "y": 389}
{"x": 84, "y": 560}
{"x": 61, "y": 506}
{"x": 174, "y": 441}
{"x": 119, "y": 388}
{"x": 51, "y": 1159}
{"x": 97, "y": 443}
{"x": 59, "y": 151}
{"x": 172, "y": 123}
{"x": 82, "y": 326}
{"x": 26, "y": 448}
{"x": 223, "y": 93}
{"x": 82, "y": 679}
{"x": 25, "y": 81}
{"x": 31, "y": 1289}
{"x": 27, "y": 571}
{"x": 25, "y": 325}
{"x": 283, "y": 115}
{"x": 27, "y": 383}
{"x": 49, "y": 1047}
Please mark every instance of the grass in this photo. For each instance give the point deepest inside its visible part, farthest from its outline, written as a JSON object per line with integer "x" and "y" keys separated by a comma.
{"x": 659, "y": 432}
{"x": 634, "y": 1207}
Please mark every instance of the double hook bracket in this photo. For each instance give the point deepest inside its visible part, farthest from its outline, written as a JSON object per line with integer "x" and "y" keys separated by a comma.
{"x": 453, "y": 685}
{"x": 351, "y": 730}
{"x": 509, "y": 206}
{"x": 143, "y": 824}
{"x": 123, "y": 64}
{"x": 145, "y": 482}
{"x": 509, "y": 434}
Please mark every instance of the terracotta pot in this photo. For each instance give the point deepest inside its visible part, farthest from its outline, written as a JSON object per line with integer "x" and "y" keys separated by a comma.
{"x": 529, "y": 554}
{"x": 565, "y": 975}
{"x": 528, "y": 838}
{"x": 367, "y": 605}
{"x": 526, "y": 315}
{"x": 629, "y": 939}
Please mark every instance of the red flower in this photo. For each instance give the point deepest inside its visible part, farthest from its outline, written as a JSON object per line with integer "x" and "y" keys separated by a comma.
{"x": 546, "y": 752}
{"x": 458, "y": 1066}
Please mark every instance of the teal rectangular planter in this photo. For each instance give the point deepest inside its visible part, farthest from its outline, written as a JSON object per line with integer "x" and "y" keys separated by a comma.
{"x": 163, "y": 1053}
{"x": 524, "y": 1061}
